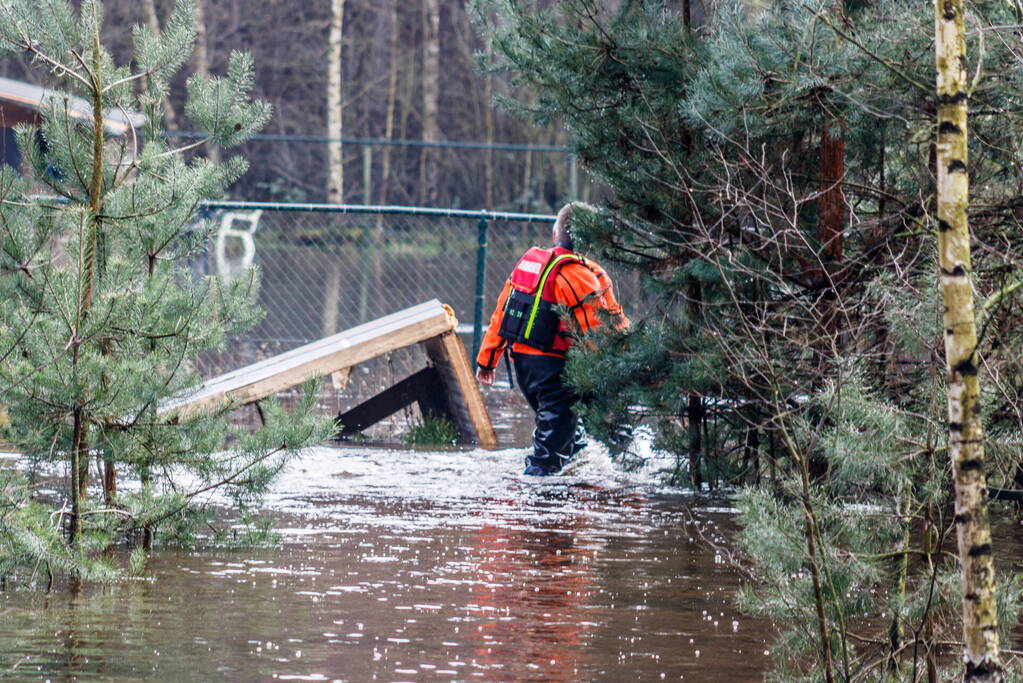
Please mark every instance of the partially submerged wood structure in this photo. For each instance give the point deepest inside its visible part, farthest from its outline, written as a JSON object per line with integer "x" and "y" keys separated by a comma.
{"x": 447, "y": 387}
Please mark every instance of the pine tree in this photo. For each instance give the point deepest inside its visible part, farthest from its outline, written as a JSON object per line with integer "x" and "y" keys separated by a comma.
{"x": 796, "y": 295}
{"x": 103, "y": 318}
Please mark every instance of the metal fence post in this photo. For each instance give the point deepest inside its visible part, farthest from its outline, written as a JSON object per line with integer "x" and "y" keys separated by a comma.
{"x": 481, "y": 282}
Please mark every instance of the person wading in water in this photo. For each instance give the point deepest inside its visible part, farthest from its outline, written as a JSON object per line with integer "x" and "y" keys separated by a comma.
{"x": 527, "y": 317}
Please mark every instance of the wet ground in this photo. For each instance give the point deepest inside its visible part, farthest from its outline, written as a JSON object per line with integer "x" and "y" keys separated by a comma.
{"x": 408, "y": 566}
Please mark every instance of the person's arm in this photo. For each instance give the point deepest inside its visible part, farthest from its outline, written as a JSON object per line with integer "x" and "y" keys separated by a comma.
{"x": 610, "y": 303}
{"x": 577, "y": 288}
{"x": 586, "y": 289}
{"x": 492, "y": 346}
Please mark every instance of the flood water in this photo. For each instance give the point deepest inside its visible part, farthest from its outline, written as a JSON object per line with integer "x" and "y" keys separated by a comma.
{"x": 416, "y": 566}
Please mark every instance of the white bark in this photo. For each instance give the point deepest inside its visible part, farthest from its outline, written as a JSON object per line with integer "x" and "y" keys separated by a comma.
{"x": 431, "y": 97}
{"x": 335, "y": 170}
{"x": 966, "y": 433}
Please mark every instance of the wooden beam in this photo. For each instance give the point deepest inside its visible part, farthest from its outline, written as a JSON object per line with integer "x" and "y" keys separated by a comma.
{"x": 1005, "y": 494}
{"x": 319, "y": 358}
{"x": 422, "y": 387}
{"x": 448, "y": 353}
{"x": 339, "y": 380}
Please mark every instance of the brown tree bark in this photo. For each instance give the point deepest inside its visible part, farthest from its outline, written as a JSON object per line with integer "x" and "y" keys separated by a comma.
{"x": 831, "y": 221}
{"x": 831, "y": 205}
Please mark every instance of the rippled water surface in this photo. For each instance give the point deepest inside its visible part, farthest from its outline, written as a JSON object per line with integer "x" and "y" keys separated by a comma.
{"x": 418, "y": 566}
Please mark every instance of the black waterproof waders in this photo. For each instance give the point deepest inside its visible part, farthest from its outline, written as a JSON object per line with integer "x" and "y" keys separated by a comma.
{"x": 556, "y": 438}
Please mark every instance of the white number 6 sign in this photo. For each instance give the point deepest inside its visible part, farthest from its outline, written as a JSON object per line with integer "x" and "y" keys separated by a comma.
{"x": 226, "y": 268}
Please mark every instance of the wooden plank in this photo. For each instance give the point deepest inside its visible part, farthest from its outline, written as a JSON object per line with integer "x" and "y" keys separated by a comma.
{"x": 449, "y": 355}
{"x": 319, "y": 358}
{"x": 374, "y": 328}
{"x": 420, "y": 387}
{"x": 339, "y": 380}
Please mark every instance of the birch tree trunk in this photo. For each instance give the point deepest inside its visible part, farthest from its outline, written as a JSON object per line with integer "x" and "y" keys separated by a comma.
{"x": 488, "y": 123}
{"x": 966, "y": 436}
{"x": 392, "y": 98}
{"x": 335, "y": 160}
{"x": 431, "y": 96}
{"x": 335, "y": 170}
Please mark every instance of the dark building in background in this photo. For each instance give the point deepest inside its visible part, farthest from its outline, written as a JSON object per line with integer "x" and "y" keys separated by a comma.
{"x": 22, "y": 102}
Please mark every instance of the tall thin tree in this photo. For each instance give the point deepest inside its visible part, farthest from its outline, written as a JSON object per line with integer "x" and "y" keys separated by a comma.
{"x": 335, "y": 154}
{"x": 335, "y": 124}
{"x": 431, "y": 99}
{"x": 966, "y": 433}
{"x": 153, "y": 22}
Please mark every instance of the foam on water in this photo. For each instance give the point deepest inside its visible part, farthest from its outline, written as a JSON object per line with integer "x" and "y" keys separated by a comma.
{"x": 322, "y": 475}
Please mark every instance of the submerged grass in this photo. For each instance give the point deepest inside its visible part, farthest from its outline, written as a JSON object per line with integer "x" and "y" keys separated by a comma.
{"x": 431, "y": 431}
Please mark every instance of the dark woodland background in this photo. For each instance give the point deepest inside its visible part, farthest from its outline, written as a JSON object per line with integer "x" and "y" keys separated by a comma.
{"x": 384, "y": 59}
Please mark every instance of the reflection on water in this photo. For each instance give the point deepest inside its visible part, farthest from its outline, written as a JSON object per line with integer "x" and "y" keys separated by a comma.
{"x": 417, "y": 566}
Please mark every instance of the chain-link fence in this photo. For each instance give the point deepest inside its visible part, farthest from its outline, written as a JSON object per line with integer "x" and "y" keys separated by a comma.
{"x": 457, "y": 173}
{"x": 328, "y": 268}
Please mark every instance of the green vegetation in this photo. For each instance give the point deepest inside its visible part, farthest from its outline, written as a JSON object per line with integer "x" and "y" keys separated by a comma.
{"x": 773, "y": 181}
{"x": 431, "y": 430}
{"x": 102, "y": 317}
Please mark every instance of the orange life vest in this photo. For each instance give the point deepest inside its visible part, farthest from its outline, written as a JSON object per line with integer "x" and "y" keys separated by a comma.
{"x": 529, "y": 316}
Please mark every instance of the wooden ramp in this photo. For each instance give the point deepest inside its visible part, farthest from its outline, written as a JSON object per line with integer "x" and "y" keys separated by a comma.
{"x": 431, "y": 324}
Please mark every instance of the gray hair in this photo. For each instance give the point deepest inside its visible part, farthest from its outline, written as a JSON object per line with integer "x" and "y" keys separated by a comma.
{"x": 562, "y": 231}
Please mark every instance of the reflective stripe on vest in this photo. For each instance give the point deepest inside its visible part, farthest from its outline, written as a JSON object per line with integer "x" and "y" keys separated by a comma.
{"x": 540, "y": 289}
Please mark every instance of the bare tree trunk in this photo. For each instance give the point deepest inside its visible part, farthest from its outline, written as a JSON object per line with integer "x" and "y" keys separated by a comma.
{"x": 331, "y": 297}
{"x": 406, "y": 104}
{"x": 897, "y": 627}
{"x": 109, "y": 481}
{"x": 831, "y": 205}
{"x": 695, "y": 412}
{"x": 153, "y": 21}
{"x": 527, "y": 181}
{"x": 335, "y": 126}
{"x": 810, "y": 530}
{"x": 966, "y": 435}
{"x": 202, "y": 61}
{"x": 80, "y": 424}
{"x": 431, "y": 96}
{"x": 79, "y": 453}
{"x": 831, "y": 220}
{"x": 695, "y": 415}
{"x": 335, "y": 159}
{"x": 373, "y": 274}
{"x": 392, "y": 98}
{"x": 488, "y": 155}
